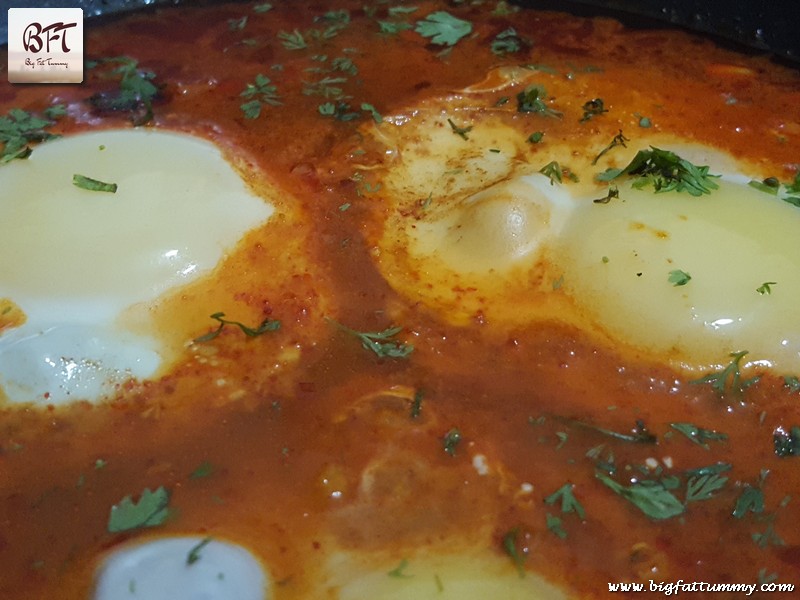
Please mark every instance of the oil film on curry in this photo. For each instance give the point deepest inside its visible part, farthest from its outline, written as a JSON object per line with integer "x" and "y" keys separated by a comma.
{"x": 398, "y": 300}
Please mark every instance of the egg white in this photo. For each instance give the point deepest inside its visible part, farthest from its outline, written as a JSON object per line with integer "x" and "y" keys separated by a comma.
{"x": 76, "y": 259}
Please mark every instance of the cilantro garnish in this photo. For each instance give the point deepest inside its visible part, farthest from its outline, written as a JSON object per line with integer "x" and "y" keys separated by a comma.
{"x": 729, "y": 378}
{"x": 260, "y": 92}
{"x": 514, "y": 546}
{"x": 93, "y": 185}
{"x": 194, "y": 554}
{"x": 704, "y": 487}
{"x": 556, "y": 172}
{"x": 507, "y": 42}
{"x": 136, "y": 91}
{"x": 292, "y": 40}
{"x": 265, "y": 326}
{"x": 787, "y": 443}
{"x": 262, "y": 8}
{"x": 651, "y": 497}
{"x": 568, "y": 501}
{"x": 554, "y": 524}
{"x": 380, "y": 342}
{"x": 443, "y": 28}
{"x": 592, "y": 108}
{"x": 459, "y": 131}
{"x": 340, "y": 111}
{"x": 788, "y": 192}
{"x": 535, "y": 137}
{"x": 698, "y": 435}
{"x": 450, "y": 440}
{"x": 18, "y": 128}
{"x": 399, "y": 570}
{"x": 613, "y": 192}
{"x": 376, "y": 116}
{"x": 531, "y": 100}
{"x": 619, "y": 140}
{"x": 678, "y": 278}
{"x": 416, "y": 404}
{"x": 151, "y": 510}
{"x": 751, "y": 499}
{"x": 665, "y": 171}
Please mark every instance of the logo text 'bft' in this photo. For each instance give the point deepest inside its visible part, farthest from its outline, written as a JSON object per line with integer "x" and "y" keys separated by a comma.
{"x": 45, "y": 45}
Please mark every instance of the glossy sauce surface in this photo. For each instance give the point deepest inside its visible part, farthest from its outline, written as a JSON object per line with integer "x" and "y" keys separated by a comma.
{"x": 309, "y": 447}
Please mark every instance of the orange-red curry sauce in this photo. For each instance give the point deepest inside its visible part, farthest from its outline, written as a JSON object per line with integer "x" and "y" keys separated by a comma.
{"x": 287, "y": 452}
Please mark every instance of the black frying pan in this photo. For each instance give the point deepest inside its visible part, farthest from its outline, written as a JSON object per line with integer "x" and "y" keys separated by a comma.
{"x": 771, "y": 26}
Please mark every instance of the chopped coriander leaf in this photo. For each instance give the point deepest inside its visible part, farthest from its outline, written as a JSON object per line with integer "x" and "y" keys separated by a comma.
{"x": 651, "y": 497}
{"x": 531, "y": 100}
{"x": 593, "y": 108}
{"x": 380, "y": 342}
{"x": 376, "y": 116}
{"x": 535, "y": 137}
{"x": 750, "y": 500}
{"x": 766, "y": 287}
{"x": 729, "y": 378}
{"x": 665, "y": 171}
{"x": 237, "y": 24}
{"x": 18, "y": 128}
{"x": 514, "y": 544}
{"x": 151, "y": 510}
{"x": 450, "y": 440}
{"x": 136, "y": 90}
{"x": 787, "y": 443}
{"x": 459, "y": 131}
{"x": 554, "y": 525}
{"x": 416, "y": 404}
{"x": 262, "y": 7}
{"x": 678, "y": 278}
{"x": 619, "y": 140}
{"x": 698, "y": 435}
{"x": 327, "y": 87}
{"x": 704, "y": 487}
{"x": 340, "y": 111}
{"x": 400, "y": 570}
{"x": 557, "y": 173}
{"x": 443, "y": 28}
{"x": 768, "y": 537}
{"x": 194, "y": 554}
{"x": 293, "y": 40}
{"x": 568, "y": 501}
{"x": 715, "y": 469}
{"x": 393, "y": 27}
{"x": 265, "y": 326}
{"x": 507, "y": 42}
{"x": 93, "y": 185}
{"x": 640, "y": 435}
{"x": 613, "y": 192}
{"x": 260, "y": 92}
{"x": 792, "y": 382}
{"x": 204, "y": 469}
{"x": 645, "y": 122}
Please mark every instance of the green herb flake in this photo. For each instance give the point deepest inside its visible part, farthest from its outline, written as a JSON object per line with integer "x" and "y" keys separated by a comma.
{"x": 459, "y": 131}
{"x": 18, "y": 128}
{"x": 766, "y": 287}
{"x": 786, "y": 443}
{"x": 612, "y": 194}
{"x": 136, "y": 89}
{"x": 729, "y": 379}
{"x": 399, "y": 571}
{"x": 554, "y": 524}
{"x": 698, "y": 435}
{"x": 792, "y": 382}
{"x": 380, "y": 342}
{"x": 194, "y": 554}
{"x": 265, "y": 326}
{"x": 416, "y": 404}
{"x": 593, "y": 108}
{"x": 151, "y": 510}
{"x": 556, "y": 172}
{"x": 507, "y": 41}
{"x": 261, "y": 91}
{"x": 750, "y": 500}
{"x": 679, "y": 278}
{"x": 651, "y": 497}
{"x": 535, "y": 137}
{"x": 618, "y": 140}
{"x": 376, "y": 116}
{"x": 568, "y": 501}
{"x": 292, "y": 40}
{"x": 704, "y": 487}
{"x": 450, "y": 440}
{"x": 443, "y": 29}
{"x": 204, "y": 469}
{"x": 93, "y": 185}
{"x": 262, "y": 7}
{"x": 514, "y": 547}
{"x": 532, "y": 100}
{"x": 665, "y": 171}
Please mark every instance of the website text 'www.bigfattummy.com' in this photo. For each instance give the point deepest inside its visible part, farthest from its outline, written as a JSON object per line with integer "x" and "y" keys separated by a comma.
{"x": 669, "y": 588}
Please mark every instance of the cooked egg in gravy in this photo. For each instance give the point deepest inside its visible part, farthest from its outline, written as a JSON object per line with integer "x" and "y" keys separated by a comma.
{"x": 284, "y": 317}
